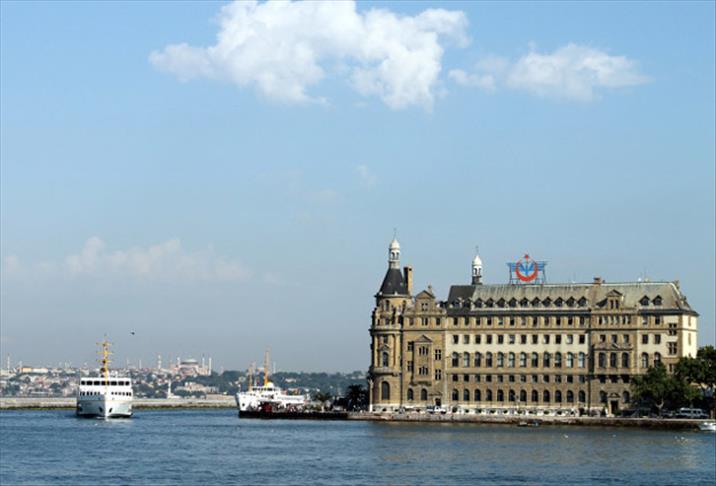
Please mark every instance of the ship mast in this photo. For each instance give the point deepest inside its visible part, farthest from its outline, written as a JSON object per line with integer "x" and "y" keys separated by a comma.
{"x": 105, "y": 361}
{"x": 267, "y": 360}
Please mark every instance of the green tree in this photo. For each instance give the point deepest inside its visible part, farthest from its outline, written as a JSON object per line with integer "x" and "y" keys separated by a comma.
{"x": 658, "y": 388}
{"x": 700, "y": 371}
{"x": 357, "y": 397}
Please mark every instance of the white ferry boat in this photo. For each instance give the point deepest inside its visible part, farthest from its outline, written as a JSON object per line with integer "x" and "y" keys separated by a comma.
{"x": 107, "y": 395}
{"x": 268, "y": 397}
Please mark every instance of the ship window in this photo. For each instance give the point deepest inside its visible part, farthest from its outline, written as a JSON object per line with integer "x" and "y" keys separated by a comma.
{"x": 113, "y": 383}
{"x": 96, "y": 383}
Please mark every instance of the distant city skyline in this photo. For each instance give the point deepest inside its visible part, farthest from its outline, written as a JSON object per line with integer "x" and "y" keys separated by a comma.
{"x": 223, "y": 178}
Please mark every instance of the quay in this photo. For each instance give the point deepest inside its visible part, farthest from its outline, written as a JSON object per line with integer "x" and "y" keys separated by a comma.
{"x": 44, "y": 403}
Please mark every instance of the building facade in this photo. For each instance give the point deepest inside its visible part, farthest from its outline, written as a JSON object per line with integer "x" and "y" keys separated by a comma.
{"x": 537, "y": 348}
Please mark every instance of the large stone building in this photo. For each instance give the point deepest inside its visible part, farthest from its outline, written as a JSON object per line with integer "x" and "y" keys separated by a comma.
{"x": 542, "y": 348}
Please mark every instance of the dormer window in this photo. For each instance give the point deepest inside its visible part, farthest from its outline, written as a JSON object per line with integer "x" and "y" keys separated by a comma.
{"x": 490, "y": 303}
{"x": 657, "y": 300}
{"x": 558, "y": 302}
{"x": 644, "y": 301}
{"x": 571, "y": 302}
{"x": 501, "y": 303}
{"x": 478, "y": 303}
{"x": 582, "y": 302}
{"x": 513, "y": 302}
{"x": 535, "y": 302}
{"x": 547, "y": 302}
{"x": 524, "y": 302}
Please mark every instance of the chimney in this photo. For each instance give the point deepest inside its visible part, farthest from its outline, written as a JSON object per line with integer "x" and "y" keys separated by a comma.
{"x": 597, "y": 280}
{"x": 408, "y": 276}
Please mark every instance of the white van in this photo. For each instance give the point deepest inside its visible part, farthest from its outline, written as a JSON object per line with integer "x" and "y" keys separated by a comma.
{"x": 692, "y": 413}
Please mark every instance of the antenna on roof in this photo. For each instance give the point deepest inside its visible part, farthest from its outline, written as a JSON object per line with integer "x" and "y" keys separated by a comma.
{"x": 395, "y": 233}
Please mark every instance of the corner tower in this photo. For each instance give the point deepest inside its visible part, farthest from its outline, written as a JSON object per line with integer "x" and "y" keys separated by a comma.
{"x": 391, "y": 301}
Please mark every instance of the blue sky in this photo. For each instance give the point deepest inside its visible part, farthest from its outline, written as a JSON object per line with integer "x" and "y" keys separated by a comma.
{"x": 224, "y": 200}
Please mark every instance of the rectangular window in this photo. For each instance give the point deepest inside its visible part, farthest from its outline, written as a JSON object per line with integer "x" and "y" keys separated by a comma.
{"x": 614, "y": 338}
{"x": 500, "y": 378}
{"x": 466, "y": 378}
{"x": 672, "y": 348}
{"x": 644, "y": 339}
{"x": 477, "y": 378}
{"x": 438, "y": 375}
{"x": 535, "y": 338}
{"x": 535, "y": 379}
{"x": 657, "y": 338}
{"x": 512, "y": 339}
{"x": 657, "y": 320}
{"x": 582, "y": 339}
{"x": 410, "y": 366}
{"x": 488, "y": 339}
{"x": 512, "y": 378}
{"x": 545, "y": 338}
{"x": 570, "y": 339}
{"x": 454, "y": 378}
{"x": 488, "y": 378}
{"x": 438, "y": 354}
{"x": 410, "y": 346}
{"x": 489, "y": 321}
{"x": 545, "y": 379}
{"x": 558, "y": 378}
{"x": 478, "y": 339}
{"x": 455, "y": 339}
{"x": 558, "y": 339}
{"x": 626, "y": 338}
{"x": 570, "y": 379}
{"x": 523, "y": 338}
{"x": 466, "y": 339}
{"x": 500, "y": 321}
{"x": 644, "y": 320}
{"x": 500, "y": 339}
{"x": 512, "y": 321}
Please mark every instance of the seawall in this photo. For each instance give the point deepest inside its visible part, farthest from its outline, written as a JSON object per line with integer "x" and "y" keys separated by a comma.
{"x": 44, "y": 403}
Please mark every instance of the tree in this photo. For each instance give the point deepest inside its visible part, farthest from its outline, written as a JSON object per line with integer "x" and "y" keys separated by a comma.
{"x": 700, "y": 371}
{"x": 357, "y": 397}
{"x": 658, "y": 387}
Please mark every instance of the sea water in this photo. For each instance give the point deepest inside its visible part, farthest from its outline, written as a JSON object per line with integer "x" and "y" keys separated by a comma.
{"x": 191, "y": 447}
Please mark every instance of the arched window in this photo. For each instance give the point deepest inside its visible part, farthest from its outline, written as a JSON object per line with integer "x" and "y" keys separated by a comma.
{"x": 455, "y": 396}
{"x": 478, "y": 360}
{"x": 570, "y": 360}
{"x": 385, "y": 391}
{"x": 523, "y": 396}
{"x": 523, "y": 360}
{"x": 488, "y": 395}
{"x": 545, "y": 396}
{"x": 478, "y": 397}
{"x": 602, "y": 360}
{"x": 466, "y": 360}
{"x": 612, "y": 360}
{"x": 386, "y": 359}
{"x": 500, "y": 359}
{"x": 466, "y": 395}
{"x": 644, "y": 360}
{"x": 423, "y": 394}
{"x": 488, "y": 360}
{"x": 582, "y": 396}
{"x": 512, "y": 396}
{"x": 570, "y": 396}
{"x": 500, "y": 396}
{"x": 511, "y": 360}
{"x": 410, "y": 394}
{"x": 535, "y": 360}
{"x": 535, "y": 396}
{"x": 657, "y": 358}
{"x": 455, "y": 360}
{"x": 603, "y": 397}
{"x": 625, "y": 360}
{"x": 626, "y": 398}
{"x": 581, "y": 360}
{"x": 546, "y": 360}
{"x": 558, "y": 396}
{"x": 557, "y": 359}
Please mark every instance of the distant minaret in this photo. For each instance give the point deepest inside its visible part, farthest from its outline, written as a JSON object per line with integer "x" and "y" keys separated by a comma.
{"x": 210, "y": 365}
{"x": 8, "y": 363}
{"x": 159, "y": 362}
{"x": 140, "y": 363}
{"x": 169, "y": 389}
{"x": 476, "y": 269}
{"x": 203, "y": 365}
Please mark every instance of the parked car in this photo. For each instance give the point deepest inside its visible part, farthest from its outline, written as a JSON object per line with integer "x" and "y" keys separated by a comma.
{"x": 691, "y": 413}
{"x": 436, "y": 409}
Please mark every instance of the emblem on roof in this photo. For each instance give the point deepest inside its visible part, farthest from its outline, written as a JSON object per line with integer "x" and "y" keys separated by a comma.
{"x": 527, "y": 270}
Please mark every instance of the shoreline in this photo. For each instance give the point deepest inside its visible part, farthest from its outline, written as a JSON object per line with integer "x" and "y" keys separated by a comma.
{"x": 65, "y": 403}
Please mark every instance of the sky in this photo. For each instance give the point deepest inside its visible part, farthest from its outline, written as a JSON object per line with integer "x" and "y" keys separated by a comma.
{"x": 225, "y": 178}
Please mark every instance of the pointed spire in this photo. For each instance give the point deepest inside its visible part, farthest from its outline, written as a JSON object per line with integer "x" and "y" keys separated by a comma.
{"x": 477, "y": 268}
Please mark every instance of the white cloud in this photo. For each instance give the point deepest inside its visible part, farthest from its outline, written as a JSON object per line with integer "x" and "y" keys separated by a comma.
{"x": 572, "y": 72}
{"x": 163, "y": 261}
{"x": 284, "y": 48}
{"x": 366, "y": 176}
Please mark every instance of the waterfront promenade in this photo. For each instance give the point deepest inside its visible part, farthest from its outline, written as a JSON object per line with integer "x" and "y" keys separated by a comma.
{"x": 25, "y": 403}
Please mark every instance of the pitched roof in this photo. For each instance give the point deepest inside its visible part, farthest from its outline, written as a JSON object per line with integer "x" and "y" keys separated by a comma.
{"x": 632, "y": 292}
{"x": 393, "y": 283}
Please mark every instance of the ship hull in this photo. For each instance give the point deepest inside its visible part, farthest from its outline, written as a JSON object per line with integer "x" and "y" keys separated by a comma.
{"x": 103, "y": 408}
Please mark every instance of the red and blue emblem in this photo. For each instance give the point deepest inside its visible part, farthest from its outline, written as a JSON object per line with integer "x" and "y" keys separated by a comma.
{"x": 526, "y": 269}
